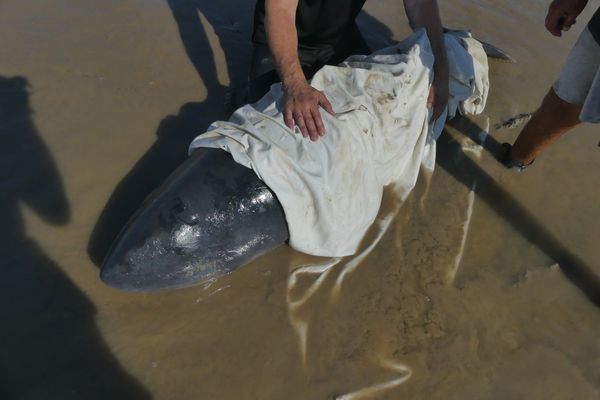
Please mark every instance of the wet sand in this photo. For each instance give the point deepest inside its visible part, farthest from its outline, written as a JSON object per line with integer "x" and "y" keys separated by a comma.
{"x": 461, "y": 298}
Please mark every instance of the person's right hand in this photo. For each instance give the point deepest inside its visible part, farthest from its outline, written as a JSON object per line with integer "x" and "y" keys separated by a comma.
{"x": 562, "y": 14}
{"x": 301, "y": 108}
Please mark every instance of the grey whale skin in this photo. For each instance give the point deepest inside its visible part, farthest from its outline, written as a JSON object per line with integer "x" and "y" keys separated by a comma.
{"x": 208, "y": 218}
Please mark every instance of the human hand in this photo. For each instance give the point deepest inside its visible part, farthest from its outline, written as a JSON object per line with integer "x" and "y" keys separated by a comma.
{"x": 301, "y": 108}
{"x": 438, "y": 96}
{"x": 562, "y": 14}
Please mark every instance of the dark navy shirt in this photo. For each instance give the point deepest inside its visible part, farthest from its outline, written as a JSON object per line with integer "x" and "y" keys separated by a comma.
{"x": 320, "y": 23}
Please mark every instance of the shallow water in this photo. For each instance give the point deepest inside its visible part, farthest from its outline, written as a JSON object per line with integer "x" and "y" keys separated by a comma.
{"x": 459, "y": 298}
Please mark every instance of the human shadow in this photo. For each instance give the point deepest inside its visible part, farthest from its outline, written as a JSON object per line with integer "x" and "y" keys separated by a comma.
{"x": 473, "y": 131}
{"x": 231, "y": 21}
{"x": 51, "y": 347}
{"x": 466, "y": 171}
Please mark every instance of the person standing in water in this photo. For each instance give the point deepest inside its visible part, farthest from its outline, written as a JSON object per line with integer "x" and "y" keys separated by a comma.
{"x": 293, "y": 39}
{"x": 574, "y": 97}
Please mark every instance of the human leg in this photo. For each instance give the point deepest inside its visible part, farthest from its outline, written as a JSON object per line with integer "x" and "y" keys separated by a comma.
{"x": 561, "y": 109}
{"x": 554, "y": 117}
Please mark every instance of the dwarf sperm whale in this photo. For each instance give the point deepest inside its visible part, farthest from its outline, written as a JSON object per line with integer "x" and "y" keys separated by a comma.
{"x": 211, "y": 216}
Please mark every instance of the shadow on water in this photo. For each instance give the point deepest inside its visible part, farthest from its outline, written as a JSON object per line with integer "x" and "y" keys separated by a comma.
{"x": 505, "y": 205}
{"x": 231, "y": 20}
{"x": 51, "y": 347}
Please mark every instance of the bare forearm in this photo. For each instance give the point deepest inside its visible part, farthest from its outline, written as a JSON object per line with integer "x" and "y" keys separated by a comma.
{"x": 425, "y": 14}
{"x": 280, "y": 24}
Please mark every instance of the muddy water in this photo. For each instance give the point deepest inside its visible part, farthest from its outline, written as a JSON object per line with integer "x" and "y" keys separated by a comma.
{"x": 455, "y": 295}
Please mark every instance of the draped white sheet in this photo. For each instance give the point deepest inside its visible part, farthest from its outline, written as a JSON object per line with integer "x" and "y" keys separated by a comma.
{"x": 331, "y": 189}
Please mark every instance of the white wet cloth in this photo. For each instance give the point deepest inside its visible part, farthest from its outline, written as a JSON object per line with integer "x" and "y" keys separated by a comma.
{"x": 331, "y": 189}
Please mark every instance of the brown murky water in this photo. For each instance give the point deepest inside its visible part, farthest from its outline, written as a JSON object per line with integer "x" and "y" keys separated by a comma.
{"x": 460, "y": 298}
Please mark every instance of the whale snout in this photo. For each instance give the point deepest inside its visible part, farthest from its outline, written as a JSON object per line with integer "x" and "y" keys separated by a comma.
{"x": 211, "y": 216}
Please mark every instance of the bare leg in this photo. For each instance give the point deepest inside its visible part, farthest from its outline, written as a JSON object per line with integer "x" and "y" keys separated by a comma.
{"x": 554, "y": 117}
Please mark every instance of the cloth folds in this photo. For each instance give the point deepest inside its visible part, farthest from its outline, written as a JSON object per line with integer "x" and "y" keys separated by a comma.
{"x": 331, "y": 189}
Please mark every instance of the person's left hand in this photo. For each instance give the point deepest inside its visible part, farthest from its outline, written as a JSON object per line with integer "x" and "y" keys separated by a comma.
{"x": 438, "y": 95}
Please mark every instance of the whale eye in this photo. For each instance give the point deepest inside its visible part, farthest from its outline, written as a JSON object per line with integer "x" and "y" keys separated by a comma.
{"x": 183, "y": 214}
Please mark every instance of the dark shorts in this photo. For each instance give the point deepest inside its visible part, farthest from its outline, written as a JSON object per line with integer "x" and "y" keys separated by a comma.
{"x": 262, "y": 68}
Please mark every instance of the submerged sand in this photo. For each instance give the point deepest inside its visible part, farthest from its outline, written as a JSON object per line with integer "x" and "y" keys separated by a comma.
{"x": 462, "y": 297}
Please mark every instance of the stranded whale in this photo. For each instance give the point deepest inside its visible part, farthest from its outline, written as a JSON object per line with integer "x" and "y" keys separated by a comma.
{"x": 213, "y": 214}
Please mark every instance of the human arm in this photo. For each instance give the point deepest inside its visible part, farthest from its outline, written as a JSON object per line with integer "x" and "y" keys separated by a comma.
{"x": 562, "y": 14}
{"x": 425, "y": 14}
{"x": 301, "y": 101}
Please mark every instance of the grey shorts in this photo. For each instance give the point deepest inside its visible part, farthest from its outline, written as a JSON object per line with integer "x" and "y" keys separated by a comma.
{"x": 579, "y": 80}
